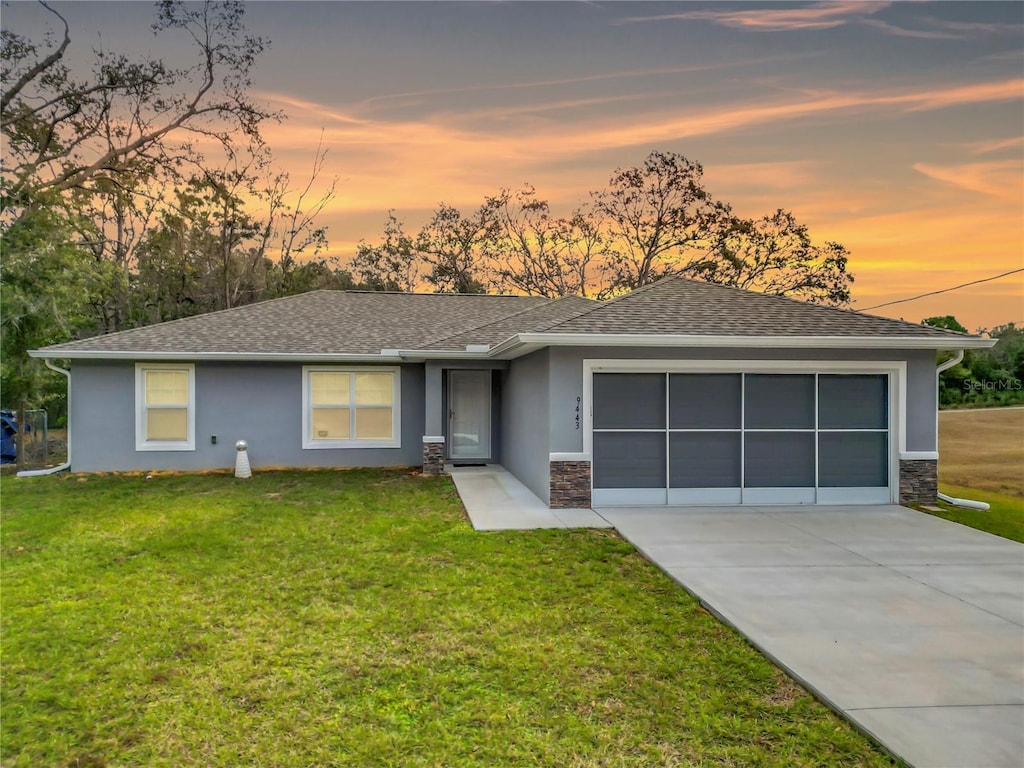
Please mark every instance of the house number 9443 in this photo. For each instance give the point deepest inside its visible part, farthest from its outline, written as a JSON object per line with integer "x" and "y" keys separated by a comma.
{"x": 578, "y": 400}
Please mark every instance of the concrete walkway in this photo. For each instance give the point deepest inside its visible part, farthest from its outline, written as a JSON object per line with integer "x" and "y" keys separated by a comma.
{"x": 911, "y": 626}
{"x": 497, "y": 501}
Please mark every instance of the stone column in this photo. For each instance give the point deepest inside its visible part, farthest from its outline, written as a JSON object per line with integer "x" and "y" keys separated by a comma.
{"x": 919, "y": 481}
{"x": 433, "y": 455}
{"x": 569, "y": 482}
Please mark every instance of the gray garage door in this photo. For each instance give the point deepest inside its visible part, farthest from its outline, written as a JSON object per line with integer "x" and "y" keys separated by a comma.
{"x": 740, "y": 438}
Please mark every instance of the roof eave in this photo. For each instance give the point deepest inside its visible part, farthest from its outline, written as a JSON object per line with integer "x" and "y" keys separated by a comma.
{"x": 720, "y": 341}
{"x": 287, "y": 357}
{"x": 524, "y": 343}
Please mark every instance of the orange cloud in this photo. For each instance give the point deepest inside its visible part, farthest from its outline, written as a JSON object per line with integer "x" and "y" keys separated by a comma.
{"x": 816, "y": 16}
{"x": 998, "y": 179}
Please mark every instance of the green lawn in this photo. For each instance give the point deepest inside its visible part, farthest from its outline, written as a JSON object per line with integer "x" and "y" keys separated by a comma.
{"x": 1005, "y": 516}
{"x": 355, "y": 618}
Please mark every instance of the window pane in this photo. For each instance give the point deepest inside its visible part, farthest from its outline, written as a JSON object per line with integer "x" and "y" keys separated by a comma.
{"x": 166, "y": 387}
{"x": 331, "y": 424}
{"x": 853, "y": 460}
{"x": 329, "y": 388}
{"x": 373, "y": 423}
{"x": 852, "y": 401}
{"x": 778, "y": 401}
{"x": 373, "y": 389}
{"x": 779, "y": 460}
{"x": 629, "y": 459}
{"x": 704, "y": 460}
{"x": 167, "y": 424}
{"x": 704, "y": 400}
{"x": 629, "y": 401}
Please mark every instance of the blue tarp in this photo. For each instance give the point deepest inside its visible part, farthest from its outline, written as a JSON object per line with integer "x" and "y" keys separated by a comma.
{"x": 8, "y": 430}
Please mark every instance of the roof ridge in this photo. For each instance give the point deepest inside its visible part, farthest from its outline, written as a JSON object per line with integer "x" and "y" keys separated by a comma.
{"x": 438, "y": 294}
{"x": 549, "y": 301}
{"x": 843, "y": 310}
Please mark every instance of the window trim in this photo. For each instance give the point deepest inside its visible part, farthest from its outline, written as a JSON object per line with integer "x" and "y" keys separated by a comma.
{"x": 141, "y": 443}
{"x": 308, "y": 443}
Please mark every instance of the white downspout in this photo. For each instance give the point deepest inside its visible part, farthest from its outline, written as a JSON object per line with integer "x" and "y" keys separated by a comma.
{"x": 968, "y": 503}
{"x": 66, "y": 464}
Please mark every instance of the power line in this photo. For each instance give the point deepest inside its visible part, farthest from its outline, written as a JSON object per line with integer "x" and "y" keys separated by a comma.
{"x": 944, "y": 290}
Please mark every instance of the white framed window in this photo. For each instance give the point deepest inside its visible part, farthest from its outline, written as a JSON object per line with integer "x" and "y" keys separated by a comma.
{"x": 346, "y": 407}
{"x": 165, "y": 407}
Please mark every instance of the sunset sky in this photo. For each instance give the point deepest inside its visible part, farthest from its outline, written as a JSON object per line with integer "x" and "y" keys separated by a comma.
{"x": 896, "y": 129}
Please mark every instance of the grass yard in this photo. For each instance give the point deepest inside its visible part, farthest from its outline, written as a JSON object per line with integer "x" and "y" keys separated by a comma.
{"x": 355, "y": 618}
{"x": 1005, "y": 516}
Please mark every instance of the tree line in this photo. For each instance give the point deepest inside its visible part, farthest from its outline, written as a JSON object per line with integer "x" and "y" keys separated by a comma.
{"x": 650, "y": 221}
{"x": 985, "y": 377}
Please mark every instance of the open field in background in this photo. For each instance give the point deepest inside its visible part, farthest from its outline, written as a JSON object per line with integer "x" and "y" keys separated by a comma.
{"x": 981, "y": 457}
{"x": 355, "y": 618}
{"x": 982, "y": 450}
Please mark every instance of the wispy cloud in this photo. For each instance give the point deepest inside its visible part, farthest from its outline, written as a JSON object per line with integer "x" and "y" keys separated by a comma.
{"x": 923, "y": 34}
{"x": 997, "y": 179}
{"x": 994, "y": 145}
{"x": 436, "y": 150}
{"x": 657, "y": 128}
{"x": 941, "y": 29}
{"x": 591, "y": 78}
{"x": 824, "y": 15}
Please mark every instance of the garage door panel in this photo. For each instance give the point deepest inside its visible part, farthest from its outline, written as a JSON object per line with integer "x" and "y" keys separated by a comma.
{"x": 855, "y": 401}
{"x": 705, "y": 400}
{"x": 629, "y": 460}
{"x": 779, "y": 401}
{"x": 853, "y": 459}
{"x": 741, "y": 438}
{"x": 629, "y": 401}
{"x": 704, "y": 460}
{"x": 853, "y": 496}
{"x": 779, "y": 460}
{"x": 704, "y": 496}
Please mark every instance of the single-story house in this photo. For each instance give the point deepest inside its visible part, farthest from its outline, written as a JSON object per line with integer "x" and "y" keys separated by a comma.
{"x": 680, "y": 392}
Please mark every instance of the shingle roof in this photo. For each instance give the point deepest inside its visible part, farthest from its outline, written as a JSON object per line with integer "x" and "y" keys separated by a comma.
{"x": 357, "y": 323}
{"x": 531, "y": 320}
{"x": 677, "y": 305}
{"x": 319, "y": 322}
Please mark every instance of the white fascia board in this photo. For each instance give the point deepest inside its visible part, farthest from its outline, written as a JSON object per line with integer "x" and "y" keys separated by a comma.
{"x": 442, "y": 354}
{"x": 719, "y": 342}
{"x": 289, "y": 357}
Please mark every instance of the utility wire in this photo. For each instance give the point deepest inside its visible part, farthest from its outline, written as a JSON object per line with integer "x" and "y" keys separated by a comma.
{"x": 944, "y": 290}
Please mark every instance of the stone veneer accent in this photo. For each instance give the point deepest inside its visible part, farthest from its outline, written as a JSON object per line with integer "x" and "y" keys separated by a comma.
{"x": 919, "y": 481}
{"x": 433, "y": 456}
{"x": 570, "y": 485}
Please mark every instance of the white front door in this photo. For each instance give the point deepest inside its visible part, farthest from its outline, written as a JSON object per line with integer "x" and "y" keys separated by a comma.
{"x": 469, "y": 414}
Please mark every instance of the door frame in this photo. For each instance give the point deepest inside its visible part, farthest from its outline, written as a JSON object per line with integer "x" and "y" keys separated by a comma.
{"x": 485, "y": 446}
{"x": 897, "y": 395}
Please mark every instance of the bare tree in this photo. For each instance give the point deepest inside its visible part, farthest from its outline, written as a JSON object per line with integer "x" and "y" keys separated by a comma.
{"x": 656, "y": 215}
{"x": 391, "y": 264}
{"x": 775, "y": 255}
{"x": 537, "y": 254}
{"x": 68, "y": 133}
{"x": 453, "y": 247}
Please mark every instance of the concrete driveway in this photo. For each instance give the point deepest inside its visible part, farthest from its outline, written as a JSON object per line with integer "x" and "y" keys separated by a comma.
{"x": 911, "y": 626}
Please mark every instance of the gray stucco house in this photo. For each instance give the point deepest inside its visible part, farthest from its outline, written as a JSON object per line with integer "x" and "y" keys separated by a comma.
{"x": 677, "y": 393}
